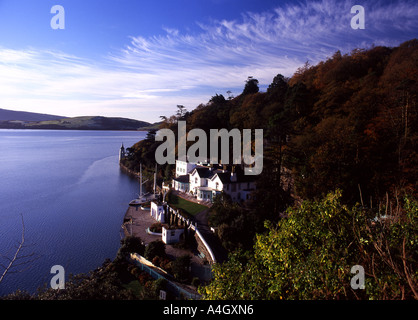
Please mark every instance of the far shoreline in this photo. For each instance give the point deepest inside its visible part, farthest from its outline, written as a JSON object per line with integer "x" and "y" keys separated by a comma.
{"x": 74, "y": 129}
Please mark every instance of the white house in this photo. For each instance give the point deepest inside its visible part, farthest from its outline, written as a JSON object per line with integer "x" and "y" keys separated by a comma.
{"x": 206, "y": 182}
{"x": 237, "y": 186}
{"x": 218, "y": 180}
{"x": 183, "y": 167}
{"x": 241, "y": 188}
{"x": 199, "y": 185}
{"x": 157, "y": 211}
{"x": 181, "y": 183}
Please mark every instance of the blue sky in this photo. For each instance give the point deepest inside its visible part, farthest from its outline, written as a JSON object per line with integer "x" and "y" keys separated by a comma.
{"x": 139, "y": 59}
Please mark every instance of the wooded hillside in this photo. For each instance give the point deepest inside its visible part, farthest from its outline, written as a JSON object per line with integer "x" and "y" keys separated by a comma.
{"x": 349, "y": 122}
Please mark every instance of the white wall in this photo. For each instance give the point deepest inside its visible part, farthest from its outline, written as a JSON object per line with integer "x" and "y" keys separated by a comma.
{"x": 236, "y": 190}
{"x": 194, "y": 182}
{"x": 179, "y": 186}
{"x": 212, "y": 184}
{"x": 183, "y": 167}
{"x": 157, "y": 212}
{"x": 171, "y": 235}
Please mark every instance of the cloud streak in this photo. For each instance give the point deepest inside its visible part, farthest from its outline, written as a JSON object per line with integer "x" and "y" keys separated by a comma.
{"x": 223, "y": 53}
{"x": 150, "y": 75}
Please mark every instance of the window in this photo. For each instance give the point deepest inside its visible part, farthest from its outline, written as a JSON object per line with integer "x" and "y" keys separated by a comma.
{"x": 217, "y": 186}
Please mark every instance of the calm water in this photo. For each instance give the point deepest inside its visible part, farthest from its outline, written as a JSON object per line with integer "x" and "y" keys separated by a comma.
{"x": 68, "y": 187}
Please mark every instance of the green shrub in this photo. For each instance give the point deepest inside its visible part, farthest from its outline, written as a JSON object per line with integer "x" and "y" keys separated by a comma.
{"x": 153, "y": 249}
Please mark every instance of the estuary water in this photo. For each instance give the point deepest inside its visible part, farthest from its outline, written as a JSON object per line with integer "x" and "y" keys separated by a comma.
{"x": 72, "y": 196}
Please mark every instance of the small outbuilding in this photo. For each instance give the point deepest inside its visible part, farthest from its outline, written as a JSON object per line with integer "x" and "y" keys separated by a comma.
{"x": 171, "y": 235}
{"x": 158, "y": 211}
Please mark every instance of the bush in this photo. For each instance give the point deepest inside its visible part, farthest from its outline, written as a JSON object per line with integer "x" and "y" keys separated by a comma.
{"x": 135, "y": 272}
{"x": 196, "y": 282}
{"x": 159, "y": 284}
{"x": 144, "y": 278}
{"x": 156, "y": 261}
{"x": 180, "y": 268}
{"x": 166, "y": 265}
{"x": 156, "y": 227}
{"x": 131, "y": 244}
{"x": 153, "y": 249}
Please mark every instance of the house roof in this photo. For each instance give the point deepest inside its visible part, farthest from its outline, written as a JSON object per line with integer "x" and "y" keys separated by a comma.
{"x": 225, "y": 177}
{"x": 203, "y": 172}
{"x": 182, "y": 179}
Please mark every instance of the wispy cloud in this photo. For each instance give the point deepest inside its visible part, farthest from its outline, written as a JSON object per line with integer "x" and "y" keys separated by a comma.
{"x": 223, "y": 53}
{"x": 150, "y": 75}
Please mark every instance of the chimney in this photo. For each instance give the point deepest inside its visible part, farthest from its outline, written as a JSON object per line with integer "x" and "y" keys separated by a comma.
{"x": 233, "y": 175}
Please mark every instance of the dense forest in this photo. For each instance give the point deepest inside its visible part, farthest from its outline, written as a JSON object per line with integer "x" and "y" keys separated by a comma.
{"x": 347, "y": 123}
{"x": 340, "y": 137}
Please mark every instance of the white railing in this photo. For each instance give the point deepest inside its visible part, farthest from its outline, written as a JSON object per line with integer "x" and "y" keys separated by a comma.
{"x": 193, "y": 227}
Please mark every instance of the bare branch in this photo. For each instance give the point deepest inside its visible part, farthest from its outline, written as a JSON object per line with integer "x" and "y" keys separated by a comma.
{"x": 15, "y": 257}
{"x": 408, "y": 277}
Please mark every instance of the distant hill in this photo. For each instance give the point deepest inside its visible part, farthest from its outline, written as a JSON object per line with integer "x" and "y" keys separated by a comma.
{"x": 152, "y": 126}
{"x": 89, "y": 123}
{"x": 10, "y": 115}
{"x": 28, "y": 120}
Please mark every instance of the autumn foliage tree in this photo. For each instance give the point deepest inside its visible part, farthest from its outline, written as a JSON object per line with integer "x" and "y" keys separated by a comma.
{"x": 309, "y": 255}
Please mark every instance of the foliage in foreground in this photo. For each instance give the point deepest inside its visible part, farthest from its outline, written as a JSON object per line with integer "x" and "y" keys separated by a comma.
{"x": 309, "y": 255}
